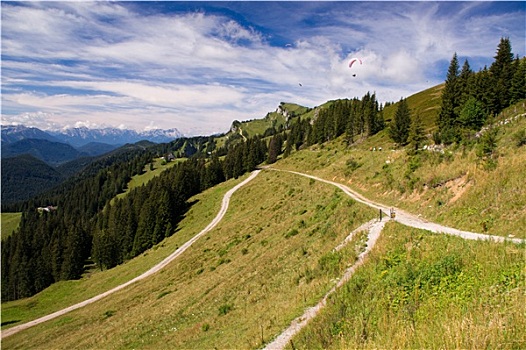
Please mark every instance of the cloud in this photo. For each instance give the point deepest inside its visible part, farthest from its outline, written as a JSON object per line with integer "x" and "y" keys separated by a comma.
{"x": 141, "y": 65}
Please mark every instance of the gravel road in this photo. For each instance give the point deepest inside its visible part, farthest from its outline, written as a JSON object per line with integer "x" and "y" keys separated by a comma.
{"x": 155, "y": 269}
{"x": 374, "y": 229}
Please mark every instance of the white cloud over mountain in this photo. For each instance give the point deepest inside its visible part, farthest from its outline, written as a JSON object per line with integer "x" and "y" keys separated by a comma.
{"x": 199, "y": 67}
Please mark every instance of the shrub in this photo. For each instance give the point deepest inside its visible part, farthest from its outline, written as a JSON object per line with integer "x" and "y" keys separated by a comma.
{"x": 291, "y": 233}
{"x": 225, "y": 309}
{"x": 520, "y": 138}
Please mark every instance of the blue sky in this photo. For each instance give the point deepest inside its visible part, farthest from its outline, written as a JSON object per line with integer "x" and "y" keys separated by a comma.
{"x": 197, "y": 66}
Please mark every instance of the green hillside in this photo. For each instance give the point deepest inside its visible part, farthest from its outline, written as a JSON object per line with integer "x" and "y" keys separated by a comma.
{"x": 239, "y": 279}
{"x": 10, "y": 223}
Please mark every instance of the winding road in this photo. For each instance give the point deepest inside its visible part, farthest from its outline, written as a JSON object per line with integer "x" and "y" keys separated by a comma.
{"x": 374, "y": 228}
{"x": 155, "y": 269}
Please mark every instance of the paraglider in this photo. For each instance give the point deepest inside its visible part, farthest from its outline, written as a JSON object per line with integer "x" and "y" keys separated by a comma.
{"x": 353, "y": 61}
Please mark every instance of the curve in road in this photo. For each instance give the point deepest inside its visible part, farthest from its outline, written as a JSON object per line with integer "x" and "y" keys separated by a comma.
{"x": 156, "y": 268}
{"x": 408, "y": 219}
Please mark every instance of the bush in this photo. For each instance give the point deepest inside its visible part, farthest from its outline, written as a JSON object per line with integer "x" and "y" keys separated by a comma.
{"x": 291, "y": 233}
{"x": 520, "y": 138}
{"x": 225, "y": 309}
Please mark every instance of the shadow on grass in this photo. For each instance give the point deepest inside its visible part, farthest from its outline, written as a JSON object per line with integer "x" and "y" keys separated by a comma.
{"x": 6, "y": 323}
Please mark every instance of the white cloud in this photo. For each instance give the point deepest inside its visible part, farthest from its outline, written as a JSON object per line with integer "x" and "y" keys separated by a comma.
{"x": 111, "y": 63}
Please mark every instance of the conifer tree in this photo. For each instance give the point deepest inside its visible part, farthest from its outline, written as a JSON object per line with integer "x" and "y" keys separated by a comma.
{"x": 518, "y": 83}
{"x": 274, "y": 148}
{"x": 417, "y": 132}
{"x": 399, "y": 130}
{"x": 464, "y": 85}
{"x": 502, "y": 72}
{"x": 450, "y": 95}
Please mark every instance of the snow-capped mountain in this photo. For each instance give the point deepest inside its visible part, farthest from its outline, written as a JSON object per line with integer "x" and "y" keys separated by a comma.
{"x": 14, "y": 133}
{"x": 80, "y": 136}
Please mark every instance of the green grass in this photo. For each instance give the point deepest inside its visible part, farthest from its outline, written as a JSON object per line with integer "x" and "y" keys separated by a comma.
{"x": 237, "y": 286}
{"x": 425, "y": 103}
{"x": 454, "y": 188}
{"x": 419, "y": 291}
{"x": 10, "y": 223}
{"x": 65, "y": 293}
{"x": 138, "y": 180}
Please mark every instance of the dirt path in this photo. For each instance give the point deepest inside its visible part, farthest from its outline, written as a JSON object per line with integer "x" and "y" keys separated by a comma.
{"x": 155, "y": 269}
{"x": 409, "y": 219}
{"x": 374, "y": 228}
{"x": 374, "y": 232}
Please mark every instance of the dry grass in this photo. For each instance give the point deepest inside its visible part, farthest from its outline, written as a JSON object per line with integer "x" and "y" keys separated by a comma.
{"x": 237, "y": 287}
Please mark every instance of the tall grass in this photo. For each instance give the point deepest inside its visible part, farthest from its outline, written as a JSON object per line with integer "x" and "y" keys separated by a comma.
{"x": 420, "y": 290}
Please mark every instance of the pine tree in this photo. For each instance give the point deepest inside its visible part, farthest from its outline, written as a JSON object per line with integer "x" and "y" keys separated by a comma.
{"x": 399, "y": 130}
{"x": 518, "y": 83}
{"x": 447, "y": 116}
{"x": 417, "y": 132}
{"x": 464, "y": 85}
{"x": 502, "y": 72}
{"x": 274, "y": 149}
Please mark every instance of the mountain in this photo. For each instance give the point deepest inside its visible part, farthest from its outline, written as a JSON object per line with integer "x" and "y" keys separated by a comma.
{"x": 25, "y": 176}
{"x": 96, "y": 148}
{"x": 53, "y": 153}
{"x": 78, "y": 137}
{"x": 14, "y": 133}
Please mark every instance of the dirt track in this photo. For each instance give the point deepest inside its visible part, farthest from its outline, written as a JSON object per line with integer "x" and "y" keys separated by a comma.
{"x": 411, "y": 220}
{"x": 374, "y": 232}
{"x": 156, "y": 268}
{"x": 374, "y": 228}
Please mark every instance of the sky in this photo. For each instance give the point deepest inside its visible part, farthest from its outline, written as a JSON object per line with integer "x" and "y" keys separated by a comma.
{"x": 198, "y": 66}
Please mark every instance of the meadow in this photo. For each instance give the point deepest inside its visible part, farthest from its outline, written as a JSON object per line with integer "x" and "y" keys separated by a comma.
{"x": 238, "y": 286}
{"x": 10, "y": 223}
{"x": 420, "y": 290}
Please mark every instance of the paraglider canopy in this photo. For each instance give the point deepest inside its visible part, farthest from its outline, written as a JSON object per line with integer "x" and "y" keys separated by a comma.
{"x": 353, "y": 61}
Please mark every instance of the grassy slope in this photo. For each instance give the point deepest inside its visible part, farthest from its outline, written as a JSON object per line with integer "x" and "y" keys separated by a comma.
{"x": 243, "y": 281}
{"x": 139, "y": 180}
{"x": 10, "y": 223}
{"x": 65, "y": 293}
{"x": 453, "y": 188}
{"x": 419, "y": 291}
{"x": 425, "y": 103}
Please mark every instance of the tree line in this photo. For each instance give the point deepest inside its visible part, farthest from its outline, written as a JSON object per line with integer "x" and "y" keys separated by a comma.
{"x": 52, "y": 246}
{"x": 469, "y": 99}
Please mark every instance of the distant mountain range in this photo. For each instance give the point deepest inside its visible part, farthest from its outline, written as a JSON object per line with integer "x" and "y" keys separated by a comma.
{"x": 78, "y": 137}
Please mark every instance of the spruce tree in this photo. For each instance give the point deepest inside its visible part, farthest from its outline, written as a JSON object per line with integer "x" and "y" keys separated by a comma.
{"x": 399, "y": 130}
{"x": 502, "y": 72}
{"x": 518, "y": 83}
{"x": 417, "y": 132}
{"x": 450, "y": 95}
